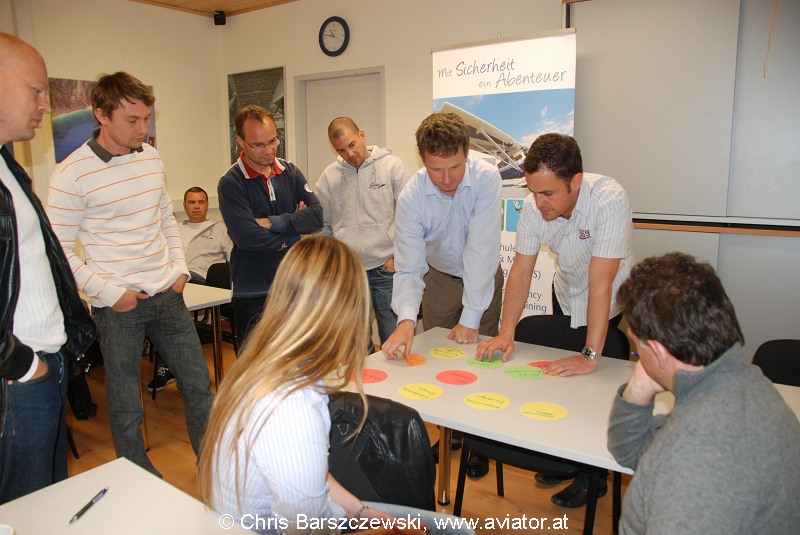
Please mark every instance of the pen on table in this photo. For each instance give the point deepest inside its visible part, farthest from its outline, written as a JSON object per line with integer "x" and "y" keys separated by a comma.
{"x": 89, "y": 505}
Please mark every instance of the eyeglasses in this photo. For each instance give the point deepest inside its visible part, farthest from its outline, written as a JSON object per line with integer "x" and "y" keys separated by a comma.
{"x": 260, "y": 146}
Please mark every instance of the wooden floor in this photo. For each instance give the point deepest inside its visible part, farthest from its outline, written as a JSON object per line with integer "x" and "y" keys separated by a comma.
{"x": 172, "y": 455}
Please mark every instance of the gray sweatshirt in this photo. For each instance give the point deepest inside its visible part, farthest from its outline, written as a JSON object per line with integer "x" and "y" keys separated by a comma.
{"x": 723, "y": 461}
{"x": 358, "y": 204}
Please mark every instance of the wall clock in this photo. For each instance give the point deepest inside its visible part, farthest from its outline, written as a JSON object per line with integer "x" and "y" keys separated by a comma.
{"x": 334, "y": 36}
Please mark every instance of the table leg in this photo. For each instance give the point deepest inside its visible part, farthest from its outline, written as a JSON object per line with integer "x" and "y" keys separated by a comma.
{"x": 217, "y": 347}
{"x": 445, "y": 441}
{"x": 591, "y": 502}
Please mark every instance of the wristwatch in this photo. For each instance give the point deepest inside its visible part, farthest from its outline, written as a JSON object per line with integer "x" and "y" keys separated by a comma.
{"x": 590, "y": 354}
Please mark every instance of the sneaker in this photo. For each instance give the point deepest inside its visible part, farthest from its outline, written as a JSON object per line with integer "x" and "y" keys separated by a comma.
{"x": 163, "y": 378}
{"x": 574, "y": 496}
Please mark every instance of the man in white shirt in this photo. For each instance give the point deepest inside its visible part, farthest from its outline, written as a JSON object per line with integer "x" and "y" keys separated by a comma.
{"x": 205, "y": 242}
{"x": 110, "y": 194}
{"x": 43, "y": 324}
{"x": 585, "y": 219}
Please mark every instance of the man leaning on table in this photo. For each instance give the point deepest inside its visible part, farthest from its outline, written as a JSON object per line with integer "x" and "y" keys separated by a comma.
{"x": 724, "y": 460}
{"x": 110, "y": 194}
{"x": 447, "y": 240}
{"x": 585, "y": 219}
{"x": 43, "y": 324}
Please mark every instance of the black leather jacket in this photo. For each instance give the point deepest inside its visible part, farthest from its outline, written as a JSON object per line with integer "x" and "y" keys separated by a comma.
{"x": 390, "y": 460}
{"x": 16, "y": 357}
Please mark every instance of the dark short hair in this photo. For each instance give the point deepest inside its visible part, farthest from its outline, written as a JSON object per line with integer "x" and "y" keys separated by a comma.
{"x": 442, "y": 134}
{"x": 257, "y": 113}
{"x": 195, "y": 189}
{"x": 111, "y": 89}
{"x": 556, "y": 152}
{"x": 679, "y": 301}
{"x": 340, "y": 126}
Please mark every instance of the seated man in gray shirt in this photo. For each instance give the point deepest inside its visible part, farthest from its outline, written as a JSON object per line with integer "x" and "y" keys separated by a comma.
{"x": 205, "y": 242}
{"x": 724, "y": 459}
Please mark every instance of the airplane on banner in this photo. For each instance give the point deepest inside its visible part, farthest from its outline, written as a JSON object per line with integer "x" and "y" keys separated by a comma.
{"x": 492, "y": 144}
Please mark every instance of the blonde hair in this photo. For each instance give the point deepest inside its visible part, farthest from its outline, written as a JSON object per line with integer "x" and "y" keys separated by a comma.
{"x": 314, "y": 327}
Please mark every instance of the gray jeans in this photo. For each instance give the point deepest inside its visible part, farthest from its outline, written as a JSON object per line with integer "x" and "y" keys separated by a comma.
{"x": 165, "y": 319}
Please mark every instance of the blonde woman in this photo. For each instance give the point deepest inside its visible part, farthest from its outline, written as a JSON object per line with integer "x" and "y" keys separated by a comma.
{"x": 265, "y": 454}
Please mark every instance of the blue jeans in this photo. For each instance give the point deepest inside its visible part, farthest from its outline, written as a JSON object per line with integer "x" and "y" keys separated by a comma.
{"x": 165, "y": 319}
{"x": 33, "y": 437}
{"x": 380, "y": 286}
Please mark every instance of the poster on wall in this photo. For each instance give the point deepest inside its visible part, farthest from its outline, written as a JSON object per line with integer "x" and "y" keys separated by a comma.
{"x": 72, "y": 116}
{"x": 262, "y": 88}
{"x": 509, "y": 93}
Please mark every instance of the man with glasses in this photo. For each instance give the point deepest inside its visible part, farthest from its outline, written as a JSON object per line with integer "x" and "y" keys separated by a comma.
{"x": 267, "y": 205}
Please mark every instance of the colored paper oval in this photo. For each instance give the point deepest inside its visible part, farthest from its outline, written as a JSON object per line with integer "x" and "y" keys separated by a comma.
{"x": 456, "y": 377}
{"x": 484, "y": 364}
{"x": 543, "y": 410}
{"x": 487, "y": 401}
{"x": 373, "y": 376}
{"x": 524, "y": 372}
{"x": 416, "y": 360}
{"x": 447, "y": 353}
{"x": 421, "y": 391}
{"x": 541, "y": 363}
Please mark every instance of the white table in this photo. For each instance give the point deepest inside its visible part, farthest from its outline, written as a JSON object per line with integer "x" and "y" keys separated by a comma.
{"x": 198, "y": 297}
{"x": 581, "y": 436}
{"x": 137, "y": 502}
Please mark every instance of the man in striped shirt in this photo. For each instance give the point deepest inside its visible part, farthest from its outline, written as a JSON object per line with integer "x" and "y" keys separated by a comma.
{"x": 110, "y": 195}
{"x": 585, "y": 219}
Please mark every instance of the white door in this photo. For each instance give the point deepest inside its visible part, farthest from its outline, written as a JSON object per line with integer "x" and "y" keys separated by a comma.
{"x": 358, "y": 97}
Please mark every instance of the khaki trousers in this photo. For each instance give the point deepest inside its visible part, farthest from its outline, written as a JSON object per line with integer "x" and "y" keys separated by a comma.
{"x": 441, "y": 302}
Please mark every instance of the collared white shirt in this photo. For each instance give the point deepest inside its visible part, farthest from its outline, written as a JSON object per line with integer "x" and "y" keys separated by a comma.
{"x": 601, "y": 225}
{"x": 457, "y": 235}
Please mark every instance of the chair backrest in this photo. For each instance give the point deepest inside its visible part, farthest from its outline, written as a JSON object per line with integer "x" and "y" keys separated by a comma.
{"x": 555, "y": 331}
{"x": 219, "y": 275}
{"x": 390, "y": 460}
{"x": 780, "y": 361}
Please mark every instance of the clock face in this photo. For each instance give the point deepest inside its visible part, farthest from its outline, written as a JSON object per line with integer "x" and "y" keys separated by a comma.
{"x": 334, "y": 36}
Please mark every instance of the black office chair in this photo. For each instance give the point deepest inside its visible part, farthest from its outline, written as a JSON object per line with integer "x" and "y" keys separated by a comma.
{"x": 780, "y": 361}
{"x": 390, "y": 460}
{"x": 219, "y": 276}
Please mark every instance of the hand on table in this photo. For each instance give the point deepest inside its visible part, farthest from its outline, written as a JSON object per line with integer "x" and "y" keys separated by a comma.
{"x": 403, "y": 336}
{"x": 574, "y": 365}
{"x": 463, "y": 335}
{"x": 501, "y": 342}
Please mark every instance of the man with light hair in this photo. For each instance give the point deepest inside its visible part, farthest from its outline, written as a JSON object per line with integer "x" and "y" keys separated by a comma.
{"x": 44, "y": 326}
{"x": 110, "y": 194}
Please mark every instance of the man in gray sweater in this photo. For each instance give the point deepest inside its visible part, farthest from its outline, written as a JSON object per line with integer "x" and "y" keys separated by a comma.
{"x": 358, "y": 193}
{"x": 724, "y": 460}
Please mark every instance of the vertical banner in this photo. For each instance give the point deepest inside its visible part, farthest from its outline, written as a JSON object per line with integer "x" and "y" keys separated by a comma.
{"x": 509, "y": 93}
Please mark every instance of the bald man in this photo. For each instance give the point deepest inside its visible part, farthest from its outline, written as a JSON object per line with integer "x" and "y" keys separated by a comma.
{"x": 43, "y": 324}
{"x": 358, "y": 193}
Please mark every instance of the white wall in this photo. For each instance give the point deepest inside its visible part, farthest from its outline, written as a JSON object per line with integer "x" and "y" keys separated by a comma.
{"x": 186, "y": 58}
{"x": 179, "y": 54}
{"x": 396, "y": 35}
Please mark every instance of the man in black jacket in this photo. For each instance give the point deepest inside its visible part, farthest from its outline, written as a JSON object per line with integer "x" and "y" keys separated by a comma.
{"x": 43, "y": 325}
